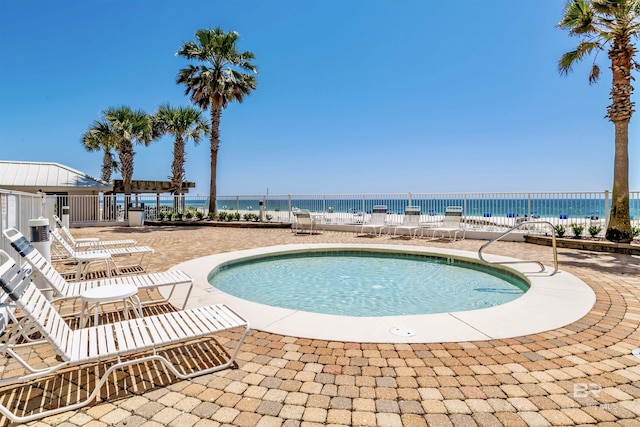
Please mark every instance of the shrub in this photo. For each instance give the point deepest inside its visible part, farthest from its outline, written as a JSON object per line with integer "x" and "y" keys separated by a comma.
{"x": 236, "y": 216}
{"x": 594, "y": 230}
{"x": 577, "y": 230}
{"x": 188, "y": 215}
{"x": 161, "y": 216}
{"x": 211, "y": 215}
{"x": 199, "y": 215}
{"x": 559, "y": 230}
{"x": 268, "y": 217}
{"x": 250, "y": 217}
{"x": 177, "y": 216}
{"x": 222, "y": 216}
{"x": 635, "y": 231}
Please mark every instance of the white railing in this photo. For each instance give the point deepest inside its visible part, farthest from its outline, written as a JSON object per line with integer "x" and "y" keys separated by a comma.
{"x": 17, "y": 209}
{"x": 482, "y": 210}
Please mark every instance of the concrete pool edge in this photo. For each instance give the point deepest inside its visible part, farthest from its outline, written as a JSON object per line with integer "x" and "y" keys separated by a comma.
{"x": 544, "y": 307}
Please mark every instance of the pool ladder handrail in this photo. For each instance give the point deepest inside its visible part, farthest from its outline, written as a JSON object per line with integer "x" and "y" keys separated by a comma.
{"x": 553, "y": 245}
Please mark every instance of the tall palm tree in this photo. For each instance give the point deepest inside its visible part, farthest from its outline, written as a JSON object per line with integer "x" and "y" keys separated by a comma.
{"x": 184, "y": 123}
{"x": 100, "y": 137}
{"x": 130, "y": 127}
{"x": 216, "y": 83}
{"x": 609, "y": 25}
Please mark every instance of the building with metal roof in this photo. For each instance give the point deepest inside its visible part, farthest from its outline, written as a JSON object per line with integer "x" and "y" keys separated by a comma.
{"x": 50, "y": 178}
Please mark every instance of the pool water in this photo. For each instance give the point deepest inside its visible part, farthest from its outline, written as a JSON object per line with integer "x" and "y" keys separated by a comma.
{"x": 368, "y": 284}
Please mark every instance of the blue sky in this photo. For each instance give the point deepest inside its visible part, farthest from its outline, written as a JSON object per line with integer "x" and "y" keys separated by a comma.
{"x": 352, "y": 96}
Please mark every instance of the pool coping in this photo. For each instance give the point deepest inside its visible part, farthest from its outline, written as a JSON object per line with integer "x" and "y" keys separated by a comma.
{"x": 554, "y": 300}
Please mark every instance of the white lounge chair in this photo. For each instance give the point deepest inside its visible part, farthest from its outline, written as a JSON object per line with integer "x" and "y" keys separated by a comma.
{"x": 117, "y": 345}
{"x": 410, "y": 222}
{"x": 377, "y": 222}
{"x": 451, "y": 224}
{"x": 66, "y": 290}
{"x": 91, "y": 243}
{"x": 82, "y": 257}
{"x": 304, "y": 221}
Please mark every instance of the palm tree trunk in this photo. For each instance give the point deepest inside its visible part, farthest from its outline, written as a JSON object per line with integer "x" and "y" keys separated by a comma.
{"x": 618, "y": 229}
{"x": 619, "y": 112}
{"x": 177, "y": 166}
{"x": 214, "y": 145}
{"x": 177, "y": 170}
{"x": 126, "y": 167}
{"x": 107, "y": 166}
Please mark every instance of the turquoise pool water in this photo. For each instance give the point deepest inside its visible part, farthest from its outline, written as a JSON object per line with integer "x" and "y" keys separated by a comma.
{"x": 368, "y": 284}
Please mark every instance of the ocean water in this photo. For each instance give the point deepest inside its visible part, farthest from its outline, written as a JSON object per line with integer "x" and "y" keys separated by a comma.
{"x": 485, "y": 207}
{"x": 571, "y": 208}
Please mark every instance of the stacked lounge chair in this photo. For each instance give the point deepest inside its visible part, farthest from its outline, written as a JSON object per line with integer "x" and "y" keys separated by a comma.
{"x": 91, "y": 243}
{"x": 83, "y": 258}
{"x": 117, "y": 345}
{"x": 66, "y": 290}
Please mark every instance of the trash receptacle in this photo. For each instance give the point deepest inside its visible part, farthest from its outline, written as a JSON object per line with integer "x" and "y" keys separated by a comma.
{"x": 39, "y": 230}
{"x": 65, "y": 216}
{"x": 136, "y": 216}
{"x": 261, "y": 211}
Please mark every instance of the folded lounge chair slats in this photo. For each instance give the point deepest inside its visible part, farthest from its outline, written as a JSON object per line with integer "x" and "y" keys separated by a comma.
{"x": 65, "y": 290}
{"x": 107, "y": 343}
{"x": 89, "y": 242}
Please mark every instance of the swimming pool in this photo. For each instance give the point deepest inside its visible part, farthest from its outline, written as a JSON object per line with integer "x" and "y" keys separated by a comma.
{"x": 368, "y": 283}
{"x": 553, "y": 300}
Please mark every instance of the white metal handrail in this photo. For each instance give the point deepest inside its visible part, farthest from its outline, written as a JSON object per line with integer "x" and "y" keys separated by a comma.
{"x": 517, "y": 226}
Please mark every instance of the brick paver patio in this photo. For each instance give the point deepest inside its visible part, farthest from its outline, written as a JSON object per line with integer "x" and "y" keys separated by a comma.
{"x": 582, "y": 374}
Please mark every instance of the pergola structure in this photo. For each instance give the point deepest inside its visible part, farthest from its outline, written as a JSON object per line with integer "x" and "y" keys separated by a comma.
{"x": 151, "y": 187}
{"x": 146, "y": 187}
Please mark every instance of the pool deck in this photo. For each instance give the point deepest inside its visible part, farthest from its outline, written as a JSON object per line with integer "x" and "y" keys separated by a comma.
{"x": 579, "y": 374}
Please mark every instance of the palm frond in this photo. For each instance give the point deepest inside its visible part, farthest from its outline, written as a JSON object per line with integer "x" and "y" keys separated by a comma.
{"x": 578, "y": 17}
{"x": 594, "y": 75}
{"x": 565, "y": 64}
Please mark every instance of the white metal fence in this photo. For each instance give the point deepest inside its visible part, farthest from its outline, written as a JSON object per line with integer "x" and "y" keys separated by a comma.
{"x": 483, "y": 210}
{"x": 17, "y": 209}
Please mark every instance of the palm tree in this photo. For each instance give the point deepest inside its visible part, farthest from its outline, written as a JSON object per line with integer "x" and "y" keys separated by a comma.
{"x": 184, "y": 123}
{"x": 129, "y": 126}
{"x": 216, "y": 83}
{"x": 609, "y": 25}
{"x": 100, "y": 137}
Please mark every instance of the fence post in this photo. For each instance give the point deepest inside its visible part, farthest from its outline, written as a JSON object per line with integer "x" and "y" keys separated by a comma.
{"x": 289, "y": 207}
{"x": 607, "y": 208}
{"x": 466, "y": 213}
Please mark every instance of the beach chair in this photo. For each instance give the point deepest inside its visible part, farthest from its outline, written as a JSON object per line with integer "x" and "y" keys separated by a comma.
{"x": 63, "y": 289}
{"x": 304, "y": 220}
{"x": 451, "y": 224}
{"x": 117, "y": 345}
{"x": 377, "y": 222}
{"x": 81, "y": 257}
{"x": 91, "y": 243}
{"x": 410, "y": 222}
